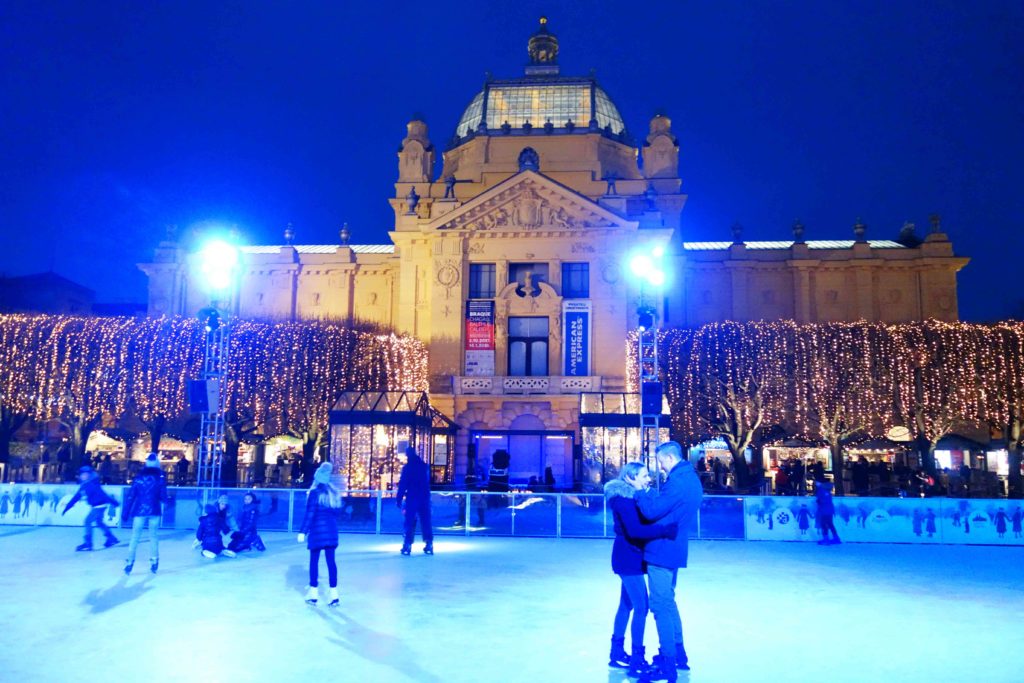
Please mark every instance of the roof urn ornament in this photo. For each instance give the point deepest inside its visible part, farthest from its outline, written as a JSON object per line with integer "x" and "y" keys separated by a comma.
{"x": 412, "y": 199}
{"x": 289, "y": 234}
{"x": 798, "y": 232}
{"x": 737, "y": 233}
{"x": 860, "y": 230}
{"x": 936, "y": 221}
{"x": 344, "y": 234}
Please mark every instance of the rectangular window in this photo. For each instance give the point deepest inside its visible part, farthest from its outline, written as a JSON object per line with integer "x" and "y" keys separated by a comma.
{"x": 481, "y": 280}
{"x": 576, "y": 280}
{"x": 527, "y": 346}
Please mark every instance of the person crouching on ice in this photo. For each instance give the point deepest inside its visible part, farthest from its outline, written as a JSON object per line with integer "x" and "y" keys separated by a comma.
{"x": 247, "y": 537}
{"x": 631, "y": 535}
{"x": 320, "y": 532}
{"x": 95, "y": 496}
{"x": 209, "y": 533}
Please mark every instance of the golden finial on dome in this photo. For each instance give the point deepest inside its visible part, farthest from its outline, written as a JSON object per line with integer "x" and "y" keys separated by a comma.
{"x": 543, "y": 49}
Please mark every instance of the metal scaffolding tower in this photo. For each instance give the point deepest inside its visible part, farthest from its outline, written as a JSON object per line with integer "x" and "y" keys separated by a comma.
{"x": 211, "y": 428}
{"x": 650, "y": 392}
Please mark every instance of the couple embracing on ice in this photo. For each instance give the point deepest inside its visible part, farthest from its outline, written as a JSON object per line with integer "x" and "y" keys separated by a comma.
{"x": 651, "y": 540}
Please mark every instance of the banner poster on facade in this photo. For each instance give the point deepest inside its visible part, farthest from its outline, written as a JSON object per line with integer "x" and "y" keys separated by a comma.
{"x": 576, "y": 338}
{"x": 479, "y": 338}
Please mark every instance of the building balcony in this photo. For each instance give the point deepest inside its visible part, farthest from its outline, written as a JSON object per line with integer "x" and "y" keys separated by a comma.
{"x": 500, "y": 386}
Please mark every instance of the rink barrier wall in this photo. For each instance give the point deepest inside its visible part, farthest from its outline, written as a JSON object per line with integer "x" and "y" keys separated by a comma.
{"x": 565, "y": 515}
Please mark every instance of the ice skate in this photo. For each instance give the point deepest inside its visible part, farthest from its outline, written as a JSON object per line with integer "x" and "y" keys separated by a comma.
{"x": 428, "y": 549}
{"x": 83, "y": 547}
{"x": 332, "y": 597}
{"x": 111, "y": 541}
{"x": 638, "y": 665}
{"x": 406, "y": 550}
{"x": 311, "y": 595}
{"x": 617, "y": 657}
{"x": 153, "y": 565}
{"x": 209, "y": 554}
{"x": 229, "y": 553}
{"x": 682, "y": 661}
{"x": 128, "y": 568}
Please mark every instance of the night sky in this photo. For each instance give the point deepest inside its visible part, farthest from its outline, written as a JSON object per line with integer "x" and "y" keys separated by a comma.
{"x": 122, "y": 117}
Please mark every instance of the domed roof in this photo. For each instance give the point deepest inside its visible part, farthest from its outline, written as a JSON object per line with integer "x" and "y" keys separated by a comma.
{"x": 565, "y": 103}
{"x": 526, "y": 105}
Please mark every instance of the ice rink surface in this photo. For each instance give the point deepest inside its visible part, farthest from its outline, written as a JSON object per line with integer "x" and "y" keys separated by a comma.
{"x": 495, "y": 610}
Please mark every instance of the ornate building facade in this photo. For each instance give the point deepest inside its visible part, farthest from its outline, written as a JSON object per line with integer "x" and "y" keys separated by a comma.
{"x": 511, "y": 265}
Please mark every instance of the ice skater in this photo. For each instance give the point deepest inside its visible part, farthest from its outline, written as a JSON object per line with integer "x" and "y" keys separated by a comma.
{"x": 677, "y": 501}
{"x": 320, "y": 532}
{"x": 99, "y": 500}
{"x": 414, "y": 491}
{"x": 247, "y": 536}
{"x": 826, "y": 512}
{"x": 1016, "y": 521}
{"x": 145, "y": 502}
{"x": 209, "y": 535}
{"x": 631, "y": 535}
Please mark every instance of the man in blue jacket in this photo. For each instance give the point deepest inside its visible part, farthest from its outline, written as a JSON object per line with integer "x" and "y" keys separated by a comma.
{"x": 677, "y": 502}
{"x": 95, "y": 496}
{"x": 145, "y": 506}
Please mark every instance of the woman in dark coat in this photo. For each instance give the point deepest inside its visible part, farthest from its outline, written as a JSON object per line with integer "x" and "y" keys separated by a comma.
{"x": 247, "y": 535}
{"x": 209, "y": 533}
{"x": 320, "y": 532}
{"x": 631, "y": 535}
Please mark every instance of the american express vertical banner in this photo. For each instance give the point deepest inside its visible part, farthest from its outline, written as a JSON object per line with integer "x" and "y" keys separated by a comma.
{"x": 479, "y": 338}
{"x": 576, "y": 338}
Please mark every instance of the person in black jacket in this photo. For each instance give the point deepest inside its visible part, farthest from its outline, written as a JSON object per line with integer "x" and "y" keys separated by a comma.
{"x": 320, "y": 531}
{"x": 414, "y": 491}
{"x": 95, "y": 496}
{"x": 631, "y": 535}
{"x": 210, "y": 533}
{"x": 247, "y": 536}
{"x": 145, "y": 502}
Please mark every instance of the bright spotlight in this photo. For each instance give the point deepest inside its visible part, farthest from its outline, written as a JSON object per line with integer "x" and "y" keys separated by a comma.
{"x": 640, "y": 265}
{"x": 656, "y": 277}
{"x": 658, "y": 251}
{"x": 218, "y": 265}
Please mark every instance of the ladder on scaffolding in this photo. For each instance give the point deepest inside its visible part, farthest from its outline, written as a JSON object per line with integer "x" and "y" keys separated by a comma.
{"x": 211, "y": 426}
{"x": 650, "y": 384}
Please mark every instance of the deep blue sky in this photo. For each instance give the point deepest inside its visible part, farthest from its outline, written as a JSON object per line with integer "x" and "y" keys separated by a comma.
{"x": 121, "y": 117}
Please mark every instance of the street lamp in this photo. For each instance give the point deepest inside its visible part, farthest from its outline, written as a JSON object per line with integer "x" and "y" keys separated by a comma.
{"x": 646, "y": 265}
{"x": 218, "y": 264}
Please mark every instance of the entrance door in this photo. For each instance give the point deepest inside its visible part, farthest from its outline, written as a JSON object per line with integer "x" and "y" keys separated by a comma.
{"x": 526, "y": 458}
{"x": 530, "y": 453}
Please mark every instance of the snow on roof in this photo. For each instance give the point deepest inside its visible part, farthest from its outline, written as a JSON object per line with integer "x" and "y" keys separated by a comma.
{"x": 321, "y": 248}
{"x": 811, "y": 244}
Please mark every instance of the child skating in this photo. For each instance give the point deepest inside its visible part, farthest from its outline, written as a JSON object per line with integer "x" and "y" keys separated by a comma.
{"x": 320, "y": 532}
{"x": 99, "y": 499}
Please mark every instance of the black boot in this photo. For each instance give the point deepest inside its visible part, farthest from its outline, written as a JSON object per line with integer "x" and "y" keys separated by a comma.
{"x": 154, "y": 564}
{"x": 638, "y": 665}
{"x": 618, "y": 657}
{"x": 681, "y": 660}
{"x": 662, "y": 669}
{"x": 128, "y": 568}
{"x": 429, "y": 549}
{"x": 84, "y": 546}
{"x": 406, "y": 550}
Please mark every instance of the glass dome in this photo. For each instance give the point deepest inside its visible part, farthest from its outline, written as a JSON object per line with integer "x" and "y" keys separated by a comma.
{"x": 538, "y": 101}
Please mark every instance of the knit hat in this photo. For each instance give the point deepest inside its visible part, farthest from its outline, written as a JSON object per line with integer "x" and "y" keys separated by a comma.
{"x": 152, "y": 460}
{"x": 323, "y": 473}
{"x": 223, "y": 499}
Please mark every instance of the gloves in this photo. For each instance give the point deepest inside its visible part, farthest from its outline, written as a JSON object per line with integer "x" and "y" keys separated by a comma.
{"x": 302, "y": 538}
{"x": 671, "y": 530}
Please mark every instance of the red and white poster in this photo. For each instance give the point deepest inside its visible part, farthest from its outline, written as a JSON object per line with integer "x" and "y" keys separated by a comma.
{"x": 479, "y": 338}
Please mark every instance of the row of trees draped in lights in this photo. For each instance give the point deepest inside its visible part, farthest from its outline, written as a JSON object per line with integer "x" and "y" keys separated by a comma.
{"x": 283, "y": 378}
{"x": 842, "y": 382}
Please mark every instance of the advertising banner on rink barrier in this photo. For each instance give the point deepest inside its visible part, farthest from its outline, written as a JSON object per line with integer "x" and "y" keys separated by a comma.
{"x": 42, "y": 504}
{"x": 576, "y": 338}
{"x": 479, "y": 338}
{"x": 888, "y": 520}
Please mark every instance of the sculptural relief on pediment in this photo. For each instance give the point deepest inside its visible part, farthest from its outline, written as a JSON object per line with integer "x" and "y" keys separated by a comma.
{"x": 529, "y": 206}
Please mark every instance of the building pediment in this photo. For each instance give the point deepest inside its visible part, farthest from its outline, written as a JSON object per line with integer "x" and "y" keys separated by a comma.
{"x": 530, "y": 201}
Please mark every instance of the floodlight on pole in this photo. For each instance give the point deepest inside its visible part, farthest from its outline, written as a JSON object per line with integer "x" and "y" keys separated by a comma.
{"x": 646, "y": 265}
{"x": 218, "y": 266}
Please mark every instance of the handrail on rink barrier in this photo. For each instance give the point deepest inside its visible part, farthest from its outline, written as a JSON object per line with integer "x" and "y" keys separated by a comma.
{"x": 569, "y": 515}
